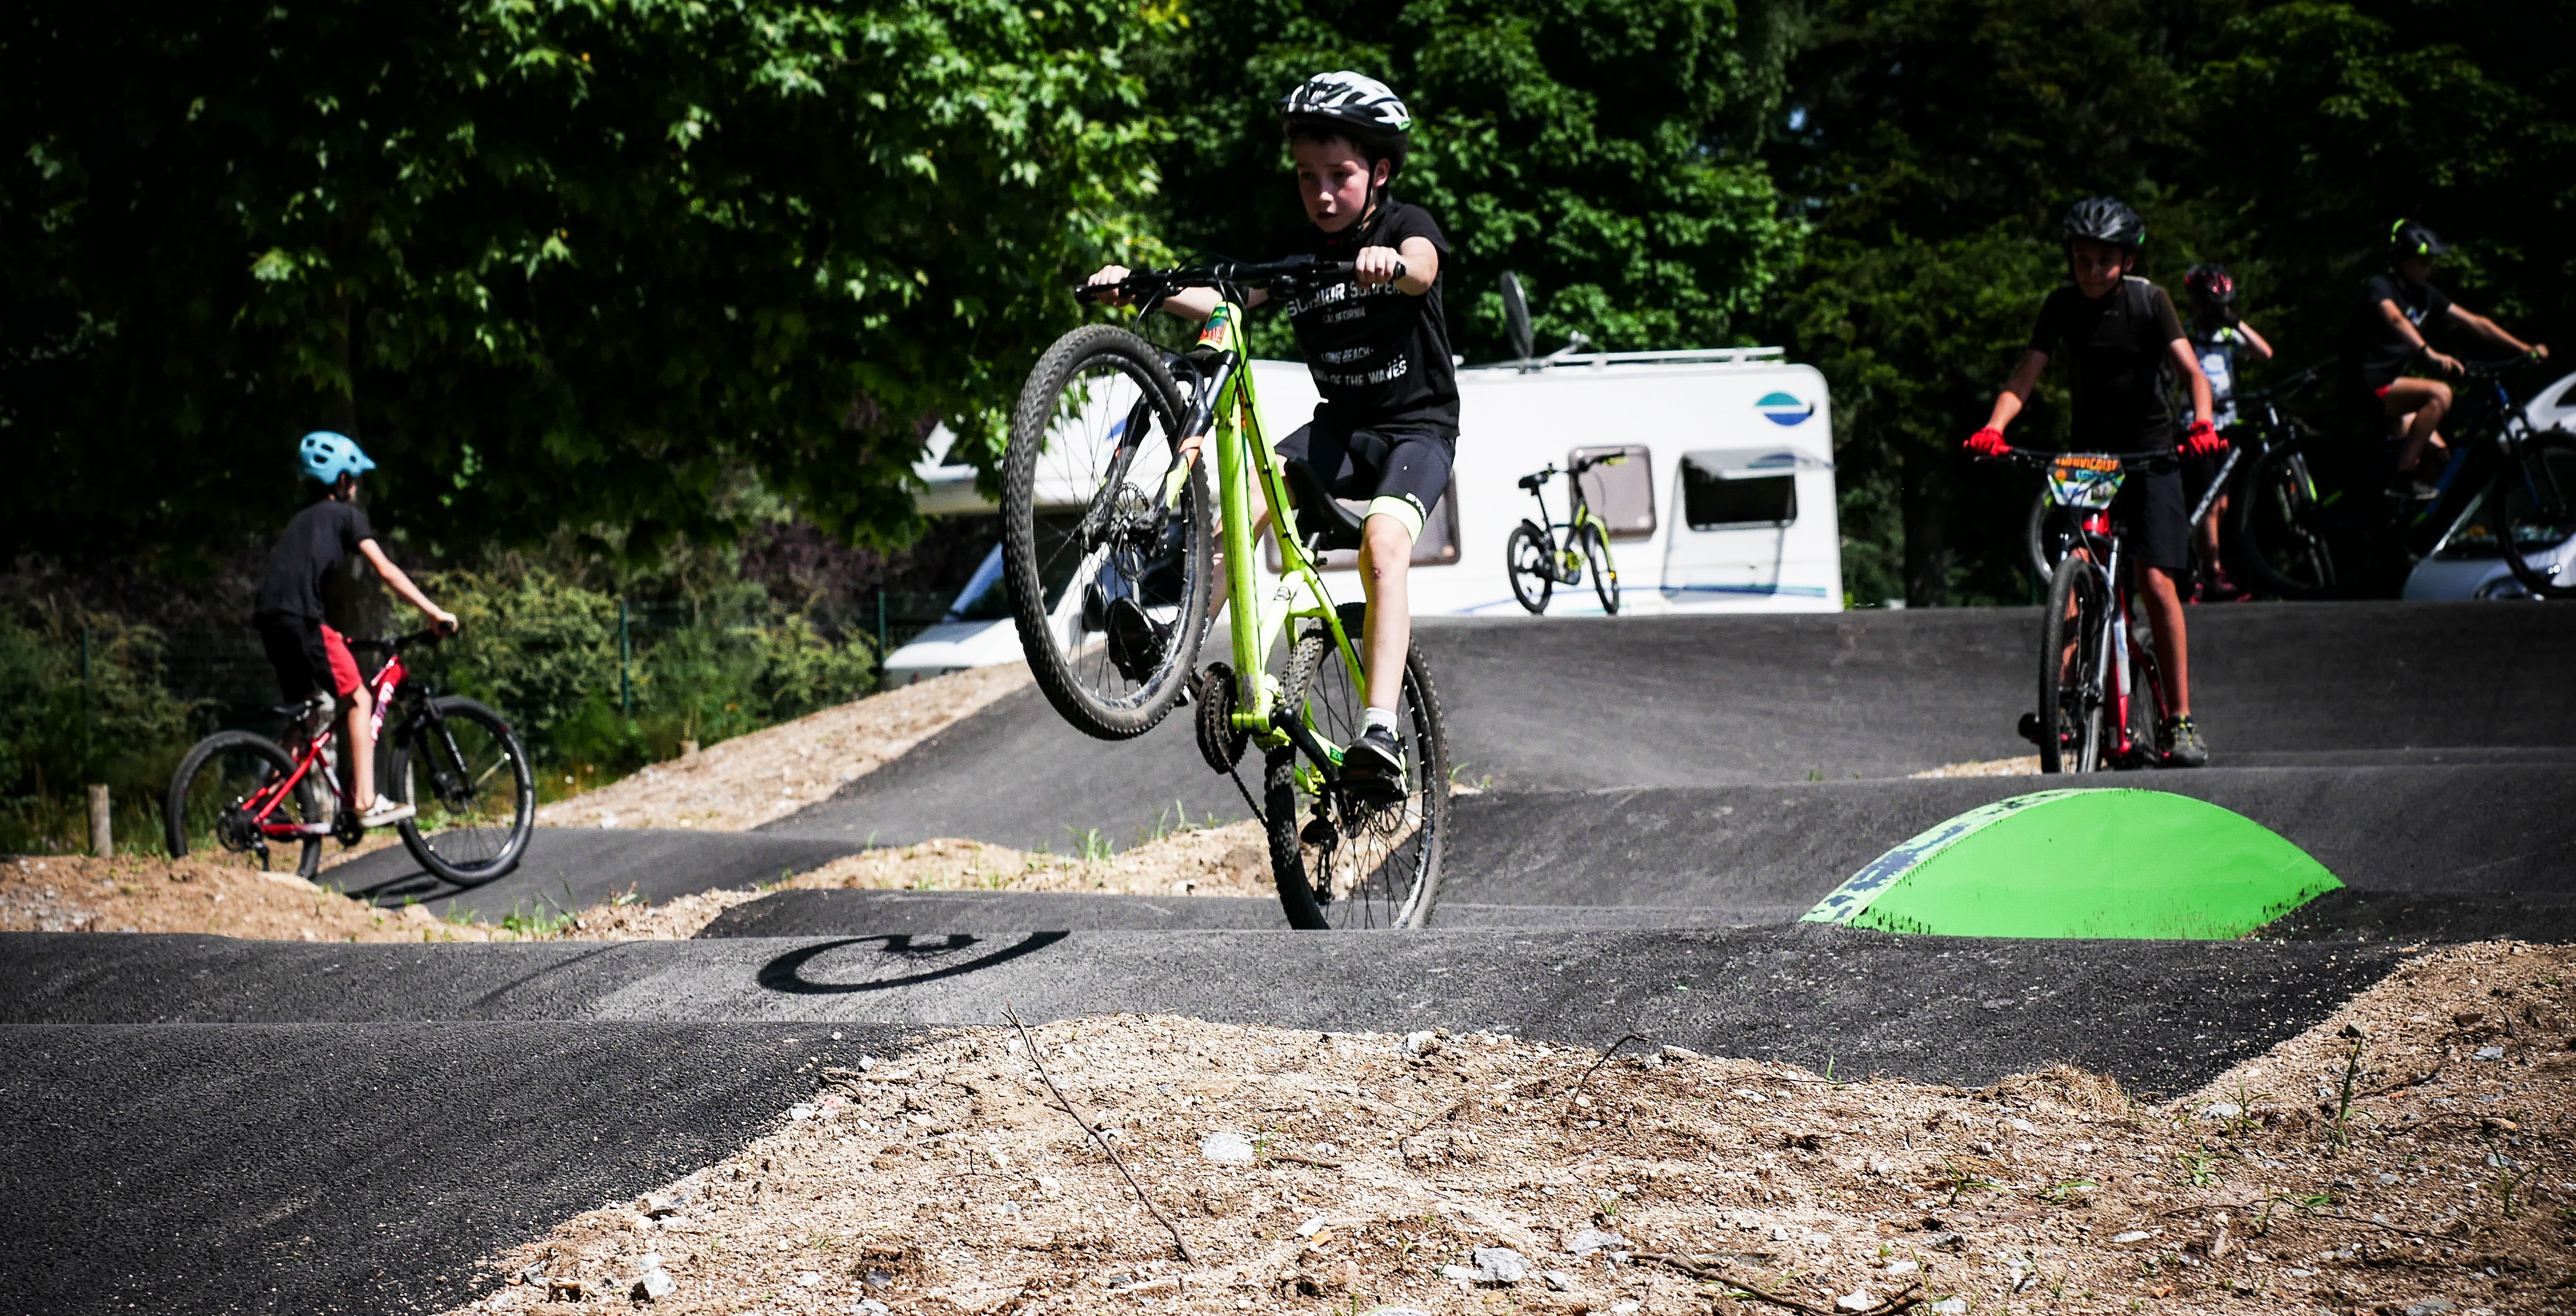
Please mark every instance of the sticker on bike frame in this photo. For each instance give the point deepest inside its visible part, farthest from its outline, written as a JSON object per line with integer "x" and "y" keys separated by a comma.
{"x": 2078, "y": 481}
{"x": 1219, "y": 332}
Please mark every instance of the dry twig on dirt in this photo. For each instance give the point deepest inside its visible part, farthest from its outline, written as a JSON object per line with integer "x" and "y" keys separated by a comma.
{"x": 1179, "y": 1243}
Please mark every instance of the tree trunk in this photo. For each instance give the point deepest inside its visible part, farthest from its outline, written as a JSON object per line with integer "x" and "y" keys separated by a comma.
{"x": 1927, "y": 518}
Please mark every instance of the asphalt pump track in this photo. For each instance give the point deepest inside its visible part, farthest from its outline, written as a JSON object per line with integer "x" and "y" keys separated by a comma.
{"x": 216, "y": 1125}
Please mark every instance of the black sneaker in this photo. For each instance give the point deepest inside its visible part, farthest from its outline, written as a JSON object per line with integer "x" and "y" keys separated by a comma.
{"x": 2183, "y": 747}
{"x": 1374, "y": 767}
{"x": 1136, "y": 641}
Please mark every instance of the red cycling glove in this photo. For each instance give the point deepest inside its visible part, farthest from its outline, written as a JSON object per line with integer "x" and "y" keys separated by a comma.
{"x": 1988, "y": 442}
{"x": 2203, "y": 440}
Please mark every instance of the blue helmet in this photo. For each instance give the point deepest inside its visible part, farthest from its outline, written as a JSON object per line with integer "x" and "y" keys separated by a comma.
{"x": 326, "y": 456}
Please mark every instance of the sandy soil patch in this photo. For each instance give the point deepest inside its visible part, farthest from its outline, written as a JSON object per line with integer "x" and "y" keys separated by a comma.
{"x": 131, "y": 893}
{"x": 1334, "y": 1173}
{"x": 2025, "y": 766}
{"x": 771, "y": 773}
{"x": 1233, "y": 860}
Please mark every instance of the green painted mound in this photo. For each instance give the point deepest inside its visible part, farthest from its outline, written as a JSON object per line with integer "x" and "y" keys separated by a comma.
{"x": 2084, "y": 863}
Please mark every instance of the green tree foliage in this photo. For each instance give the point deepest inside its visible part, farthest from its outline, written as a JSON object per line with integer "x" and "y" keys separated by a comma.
{"x": 591, "y": 261}
{"x": 60, "y": 732}
{"x": 1601, "y": 149}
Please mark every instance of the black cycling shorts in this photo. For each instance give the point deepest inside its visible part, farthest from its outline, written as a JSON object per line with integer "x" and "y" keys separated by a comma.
{"x": 1408, "y": 465}
{"x": 2154, "y": 520}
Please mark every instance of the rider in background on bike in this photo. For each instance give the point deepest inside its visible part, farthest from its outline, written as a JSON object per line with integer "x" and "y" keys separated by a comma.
{"x": 2119, "y": 336}
{"x": 1378, "y": 347}
{"x": 2388, "y": 335}
{"x": 2221, "y": 340}
{"x": 306, "y": 652}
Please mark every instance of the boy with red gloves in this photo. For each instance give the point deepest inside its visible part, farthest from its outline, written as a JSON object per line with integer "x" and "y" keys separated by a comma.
{"x": 2119, "y": 333}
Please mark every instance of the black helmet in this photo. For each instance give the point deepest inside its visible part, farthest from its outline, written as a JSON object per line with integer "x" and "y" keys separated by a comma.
{"x": 2209, "y": 285}
{"x": 2408, "y": 238}
{"x": 1353, "y": 106}
{"x": 2103, "y": 220}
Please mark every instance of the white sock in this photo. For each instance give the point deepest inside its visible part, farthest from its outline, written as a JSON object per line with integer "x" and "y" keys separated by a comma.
{"x": 1381, "y": 719}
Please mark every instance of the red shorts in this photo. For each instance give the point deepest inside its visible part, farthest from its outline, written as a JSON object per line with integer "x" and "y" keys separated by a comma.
{"x": 2381, "y": 392}
{"x": 344, "y": 668}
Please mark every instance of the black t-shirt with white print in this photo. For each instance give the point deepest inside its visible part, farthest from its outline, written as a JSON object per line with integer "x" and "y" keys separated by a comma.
{"x": 1380, "y": 356}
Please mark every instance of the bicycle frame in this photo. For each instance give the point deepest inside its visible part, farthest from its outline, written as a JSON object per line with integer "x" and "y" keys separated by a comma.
{"x": 1228, "y": 410}
{"x": 1565, "y": 554}
{"x": 388, "y": 682}
{"x": 2121, "y": 657}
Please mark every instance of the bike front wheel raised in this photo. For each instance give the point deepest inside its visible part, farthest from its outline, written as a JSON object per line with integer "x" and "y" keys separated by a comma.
{"x": 2071, "y": 654}
{"x": 1105, "y": 545}
{"x": 1532, "y": 560}
{"x": 477, "y": 798}
{"x": 1341, "y": 862}
{"x": 2281, "y": 528}
{"x": 1605, "y": 577}
{"x": 2532, "y": 508}
{"x": 219, "y": 792}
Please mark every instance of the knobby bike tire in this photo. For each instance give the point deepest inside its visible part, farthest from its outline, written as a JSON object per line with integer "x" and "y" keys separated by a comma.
{"x": 1605, "y": 578}
{"x": 1531, "y": 559}
{"x": 2036, "y": 532}
{"x": 1402, "y": 881}
{"x": 2281, "y": 530}
{"x": 2146, "y": 695}
{"x": 483, "y": 810}
{"x": 303, "y": 804}
{"x": 2069, "y": 715}
{"x": 1083, "y": 679}
{"x": 2532, "y": 508}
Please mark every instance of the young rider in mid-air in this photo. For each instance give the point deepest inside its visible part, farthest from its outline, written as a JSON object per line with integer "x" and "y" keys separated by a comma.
{"x": 2118, "y": 334}
{"x": 2388, "y": 336}
{"x": 1378, "y": 347}
{"x": 306, "y": 652}
{"x": 2222, "y": 340}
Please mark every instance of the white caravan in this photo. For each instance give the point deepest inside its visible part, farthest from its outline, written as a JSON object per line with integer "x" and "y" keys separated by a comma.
{"x": 1726, "y": 503}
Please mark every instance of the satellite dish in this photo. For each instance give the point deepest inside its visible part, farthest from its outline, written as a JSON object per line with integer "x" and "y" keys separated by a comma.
{"x": 1516, "y": 316}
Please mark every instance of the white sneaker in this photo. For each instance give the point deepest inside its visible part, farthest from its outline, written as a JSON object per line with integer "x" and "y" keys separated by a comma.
{"x": 386, "y": 813}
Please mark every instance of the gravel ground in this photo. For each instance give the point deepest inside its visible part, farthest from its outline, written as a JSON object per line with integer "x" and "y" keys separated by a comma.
{"x": 1477, "y": 1173}
{"x": 771, "y": 773}
{"x": 135, "y": 893}
{"x": 2025, "y": 766}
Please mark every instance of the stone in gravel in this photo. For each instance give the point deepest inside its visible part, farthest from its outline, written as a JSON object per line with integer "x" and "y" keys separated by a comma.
{"x": 1588, "y": 1241}
{"x": 2221, "y": 1110}
{"x": 653, "y": 1285}
{"x": 2489, "y": 1053}
{"x": 2130, "y": 1236}
{"x": 1950, "y": 1307}
{"x": 1501, "y": 1265}
{"x": 564, "y": 1290}
{"x": 809, "y": 1279}
{"x": 1421, "y": 1044}
{"x": 1227, "y": 1148}
{"x": 1951, "y": 1242}
{"x": 1395, "y": 1311}
{"x": 871, "y": 1305}
{"x": 2429, "y": 1307}
{"x": 1557, "y": 1280}
{"x": 1857, "y": 1300}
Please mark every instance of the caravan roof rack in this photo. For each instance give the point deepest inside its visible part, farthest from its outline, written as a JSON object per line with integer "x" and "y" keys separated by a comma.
{"x": 1677, "y": 356}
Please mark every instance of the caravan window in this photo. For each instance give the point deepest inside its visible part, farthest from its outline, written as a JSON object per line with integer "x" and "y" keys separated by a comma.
{"x": 1738, "y": 490}
{"x": 1622, "y": 495}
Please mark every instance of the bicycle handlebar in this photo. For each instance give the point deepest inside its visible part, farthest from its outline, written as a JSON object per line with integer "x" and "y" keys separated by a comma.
{"x": 2129, "y": 461}
{"x": 1224, "y": 274}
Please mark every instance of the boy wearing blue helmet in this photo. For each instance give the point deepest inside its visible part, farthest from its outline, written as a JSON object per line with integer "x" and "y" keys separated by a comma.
{"x": 306, "y": 652}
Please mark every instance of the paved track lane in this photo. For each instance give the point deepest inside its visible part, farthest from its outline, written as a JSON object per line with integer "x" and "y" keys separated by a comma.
{"x": 2156, "y": 1015}
{"x": 366, "y": 1167}
{"x": 1629, "y": 702}
{"x": 576, "y": 867}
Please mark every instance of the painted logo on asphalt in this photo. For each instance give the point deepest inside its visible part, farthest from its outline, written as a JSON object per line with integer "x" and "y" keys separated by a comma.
{"x": 1784, "y": 409}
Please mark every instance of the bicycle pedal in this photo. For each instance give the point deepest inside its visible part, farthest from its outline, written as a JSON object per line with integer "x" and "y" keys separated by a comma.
{"x": 1319, "y": 832}
{"x": 2029, "y": 728}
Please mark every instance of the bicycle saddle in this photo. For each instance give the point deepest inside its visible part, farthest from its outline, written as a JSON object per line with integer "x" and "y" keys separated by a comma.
{"x": 1532, "y": 482}
{"x": 1320, "y": 516}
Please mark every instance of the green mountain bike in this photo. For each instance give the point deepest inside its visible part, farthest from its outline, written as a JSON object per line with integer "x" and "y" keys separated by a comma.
{"x": 1108, "y": 548}
{"x": 1540, "y": 562}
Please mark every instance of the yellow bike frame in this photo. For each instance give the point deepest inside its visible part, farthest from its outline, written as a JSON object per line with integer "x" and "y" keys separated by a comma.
{"x": 1245, "y": 461}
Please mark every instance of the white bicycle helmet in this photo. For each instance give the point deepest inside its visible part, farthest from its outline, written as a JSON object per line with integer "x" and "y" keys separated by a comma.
{"x": 1352, "y": 99}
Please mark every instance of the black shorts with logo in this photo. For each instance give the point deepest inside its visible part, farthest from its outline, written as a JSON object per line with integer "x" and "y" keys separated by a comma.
{"x": 1362, "y": 463}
